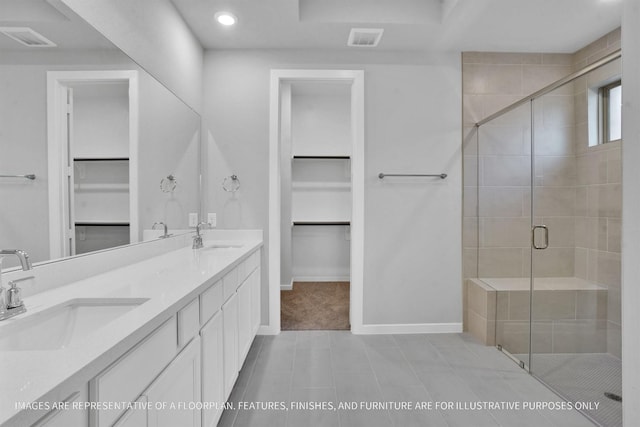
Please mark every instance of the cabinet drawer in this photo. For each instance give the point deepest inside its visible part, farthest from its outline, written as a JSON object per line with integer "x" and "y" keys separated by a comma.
{"x": 127, "y": 378}
{"x": 230, "y": 283}
{"x": 188, "y": 322}
{"x": 210, "y": 302}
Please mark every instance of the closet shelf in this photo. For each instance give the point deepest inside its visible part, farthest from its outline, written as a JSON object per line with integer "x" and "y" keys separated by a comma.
{"x": 321, "y": 223}
{"x": 319, "y": 157}
{"x": 101, "y": 224}
{"x": 101, "y": 159}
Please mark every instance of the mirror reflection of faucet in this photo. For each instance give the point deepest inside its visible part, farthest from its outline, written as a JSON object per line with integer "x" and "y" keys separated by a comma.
{"x": 165, "y": 228}
{"x": 197, "y": 239}
{"x": 11, "y": 303}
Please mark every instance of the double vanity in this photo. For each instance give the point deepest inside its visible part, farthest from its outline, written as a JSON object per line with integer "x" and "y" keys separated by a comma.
{"x": 106, "y": 330}
{"x": 156, "y": 339}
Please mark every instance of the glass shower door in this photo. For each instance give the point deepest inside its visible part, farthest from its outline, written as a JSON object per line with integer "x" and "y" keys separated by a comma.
{"x": 504, "y": 228}
{"x": 553, "y": 256}
{"x": 576, "y": 206}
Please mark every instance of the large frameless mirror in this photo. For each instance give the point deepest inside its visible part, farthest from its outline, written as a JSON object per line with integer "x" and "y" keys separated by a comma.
{"x": 87, "y": 137}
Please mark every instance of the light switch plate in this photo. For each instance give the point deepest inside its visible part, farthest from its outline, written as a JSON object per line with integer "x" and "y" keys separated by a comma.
{"x": 212, "y": 219}
{"x": 193, "y": 219}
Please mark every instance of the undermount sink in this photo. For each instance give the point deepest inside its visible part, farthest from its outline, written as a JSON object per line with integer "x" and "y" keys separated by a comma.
{"x": 64, "y": 324}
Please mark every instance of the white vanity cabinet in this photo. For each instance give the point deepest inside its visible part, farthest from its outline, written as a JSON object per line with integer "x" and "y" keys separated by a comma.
{"x": 230, "y": 339}
{"x": 178, "y": 387}
{"x": 191, "y": 359}
{"x": 212, "y": 341}
{"x": 255, "y": 299}
{"x": 241, "y": 316}
{"x": 168, "y": 398}
{"x": 245, "y": 335}
{"x": 248, "y": 313}
{"x": 127, "y": 378}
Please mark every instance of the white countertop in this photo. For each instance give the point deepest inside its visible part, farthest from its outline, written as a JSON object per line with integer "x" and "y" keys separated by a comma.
{"x": 170, "y": 281}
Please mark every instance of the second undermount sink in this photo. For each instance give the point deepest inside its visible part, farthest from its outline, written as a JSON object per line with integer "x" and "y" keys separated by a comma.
{"x": 64, "y": 324}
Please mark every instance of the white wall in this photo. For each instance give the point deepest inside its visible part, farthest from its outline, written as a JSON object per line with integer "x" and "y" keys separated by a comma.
{"x": 630, "y": 212}
{"x": 412, "y": 113}
{"x": 154, "y": 34}
{"x": 321, "y": 123}
{"x": 413, "y": 228}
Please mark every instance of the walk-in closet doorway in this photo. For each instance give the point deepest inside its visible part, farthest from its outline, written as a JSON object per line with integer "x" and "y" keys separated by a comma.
{"x": 316, "y": 199}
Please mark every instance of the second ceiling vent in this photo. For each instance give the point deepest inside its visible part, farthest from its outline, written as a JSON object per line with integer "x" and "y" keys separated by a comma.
{"x": 365, "y": 37}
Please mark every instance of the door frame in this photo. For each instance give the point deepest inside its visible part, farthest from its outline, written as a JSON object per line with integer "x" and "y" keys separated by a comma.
{"x": 57, "y": 84}
{"x": 356, "y": 78}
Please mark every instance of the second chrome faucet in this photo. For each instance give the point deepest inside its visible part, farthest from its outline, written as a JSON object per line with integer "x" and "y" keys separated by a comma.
{"x": 197, "y": 239}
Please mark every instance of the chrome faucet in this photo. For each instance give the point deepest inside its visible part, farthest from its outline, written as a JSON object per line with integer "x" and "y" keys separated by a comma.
{"x": 166, "y": 229}
{"x": 197, "y": 239}
{"x": 11, "y": 303}
{"x": 25, "y": 262}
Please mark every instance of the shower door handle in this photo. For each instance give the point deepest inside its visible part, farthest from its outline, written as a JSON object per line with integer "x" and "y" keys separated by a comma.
{"x": 546, "y": 236}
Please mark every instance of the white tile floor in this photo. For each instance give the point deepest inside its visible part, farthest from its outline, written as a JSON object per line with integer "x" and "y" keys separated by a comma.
{"x": 336, "y": 366}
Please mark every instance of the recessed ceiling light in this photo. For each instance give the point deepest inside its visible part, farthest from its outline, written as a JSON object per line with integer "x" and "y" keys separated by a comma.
{"x": 226, "y": 18}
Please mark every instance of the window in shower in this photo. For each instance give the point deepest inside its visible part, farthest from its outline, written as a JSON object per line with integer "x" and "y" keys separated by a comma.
{"x": 610, "y": 100}
{"x": 605, "y": 112}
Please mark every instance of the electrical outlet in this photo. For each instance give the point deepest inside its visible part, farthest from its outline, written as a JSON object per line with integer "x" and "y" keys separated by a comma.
{"x": 212, "y": 219}
{"x": 193, "y": 219}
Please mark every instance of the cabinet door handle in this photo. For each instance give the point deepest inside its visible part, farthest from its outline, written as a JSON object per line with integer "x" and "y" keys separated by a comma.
{"x": 546, "y": 237}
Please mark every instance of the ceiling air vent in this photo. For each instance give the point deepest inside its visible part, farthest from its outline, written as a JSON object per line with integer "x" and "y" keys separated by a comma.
{"x": 27, "y": 36}
{"x": 365, "y": 37}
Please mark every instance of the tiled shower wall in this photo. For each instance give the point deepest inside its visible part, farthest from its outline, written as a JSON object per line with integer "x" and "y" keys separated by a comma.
{"x": 599, "y": 192}
{"x": 577, "y": 188}
{"x": 499, "y": 238}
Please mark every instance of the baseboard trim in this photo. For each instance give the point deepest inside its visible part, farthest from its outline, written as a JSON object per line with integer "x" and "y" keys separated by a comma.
{"x": 409, "y": 328}
{"x": 382, "y": 329}
{"x": 321, "y": 279}
{"x": 286, "y": 287}
{"x": 267, "y": 330}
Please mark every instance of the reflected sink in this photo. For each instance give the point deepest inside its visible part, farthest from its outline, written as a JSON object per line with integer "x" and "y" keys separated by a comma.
{"x": 64, "y": 324}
